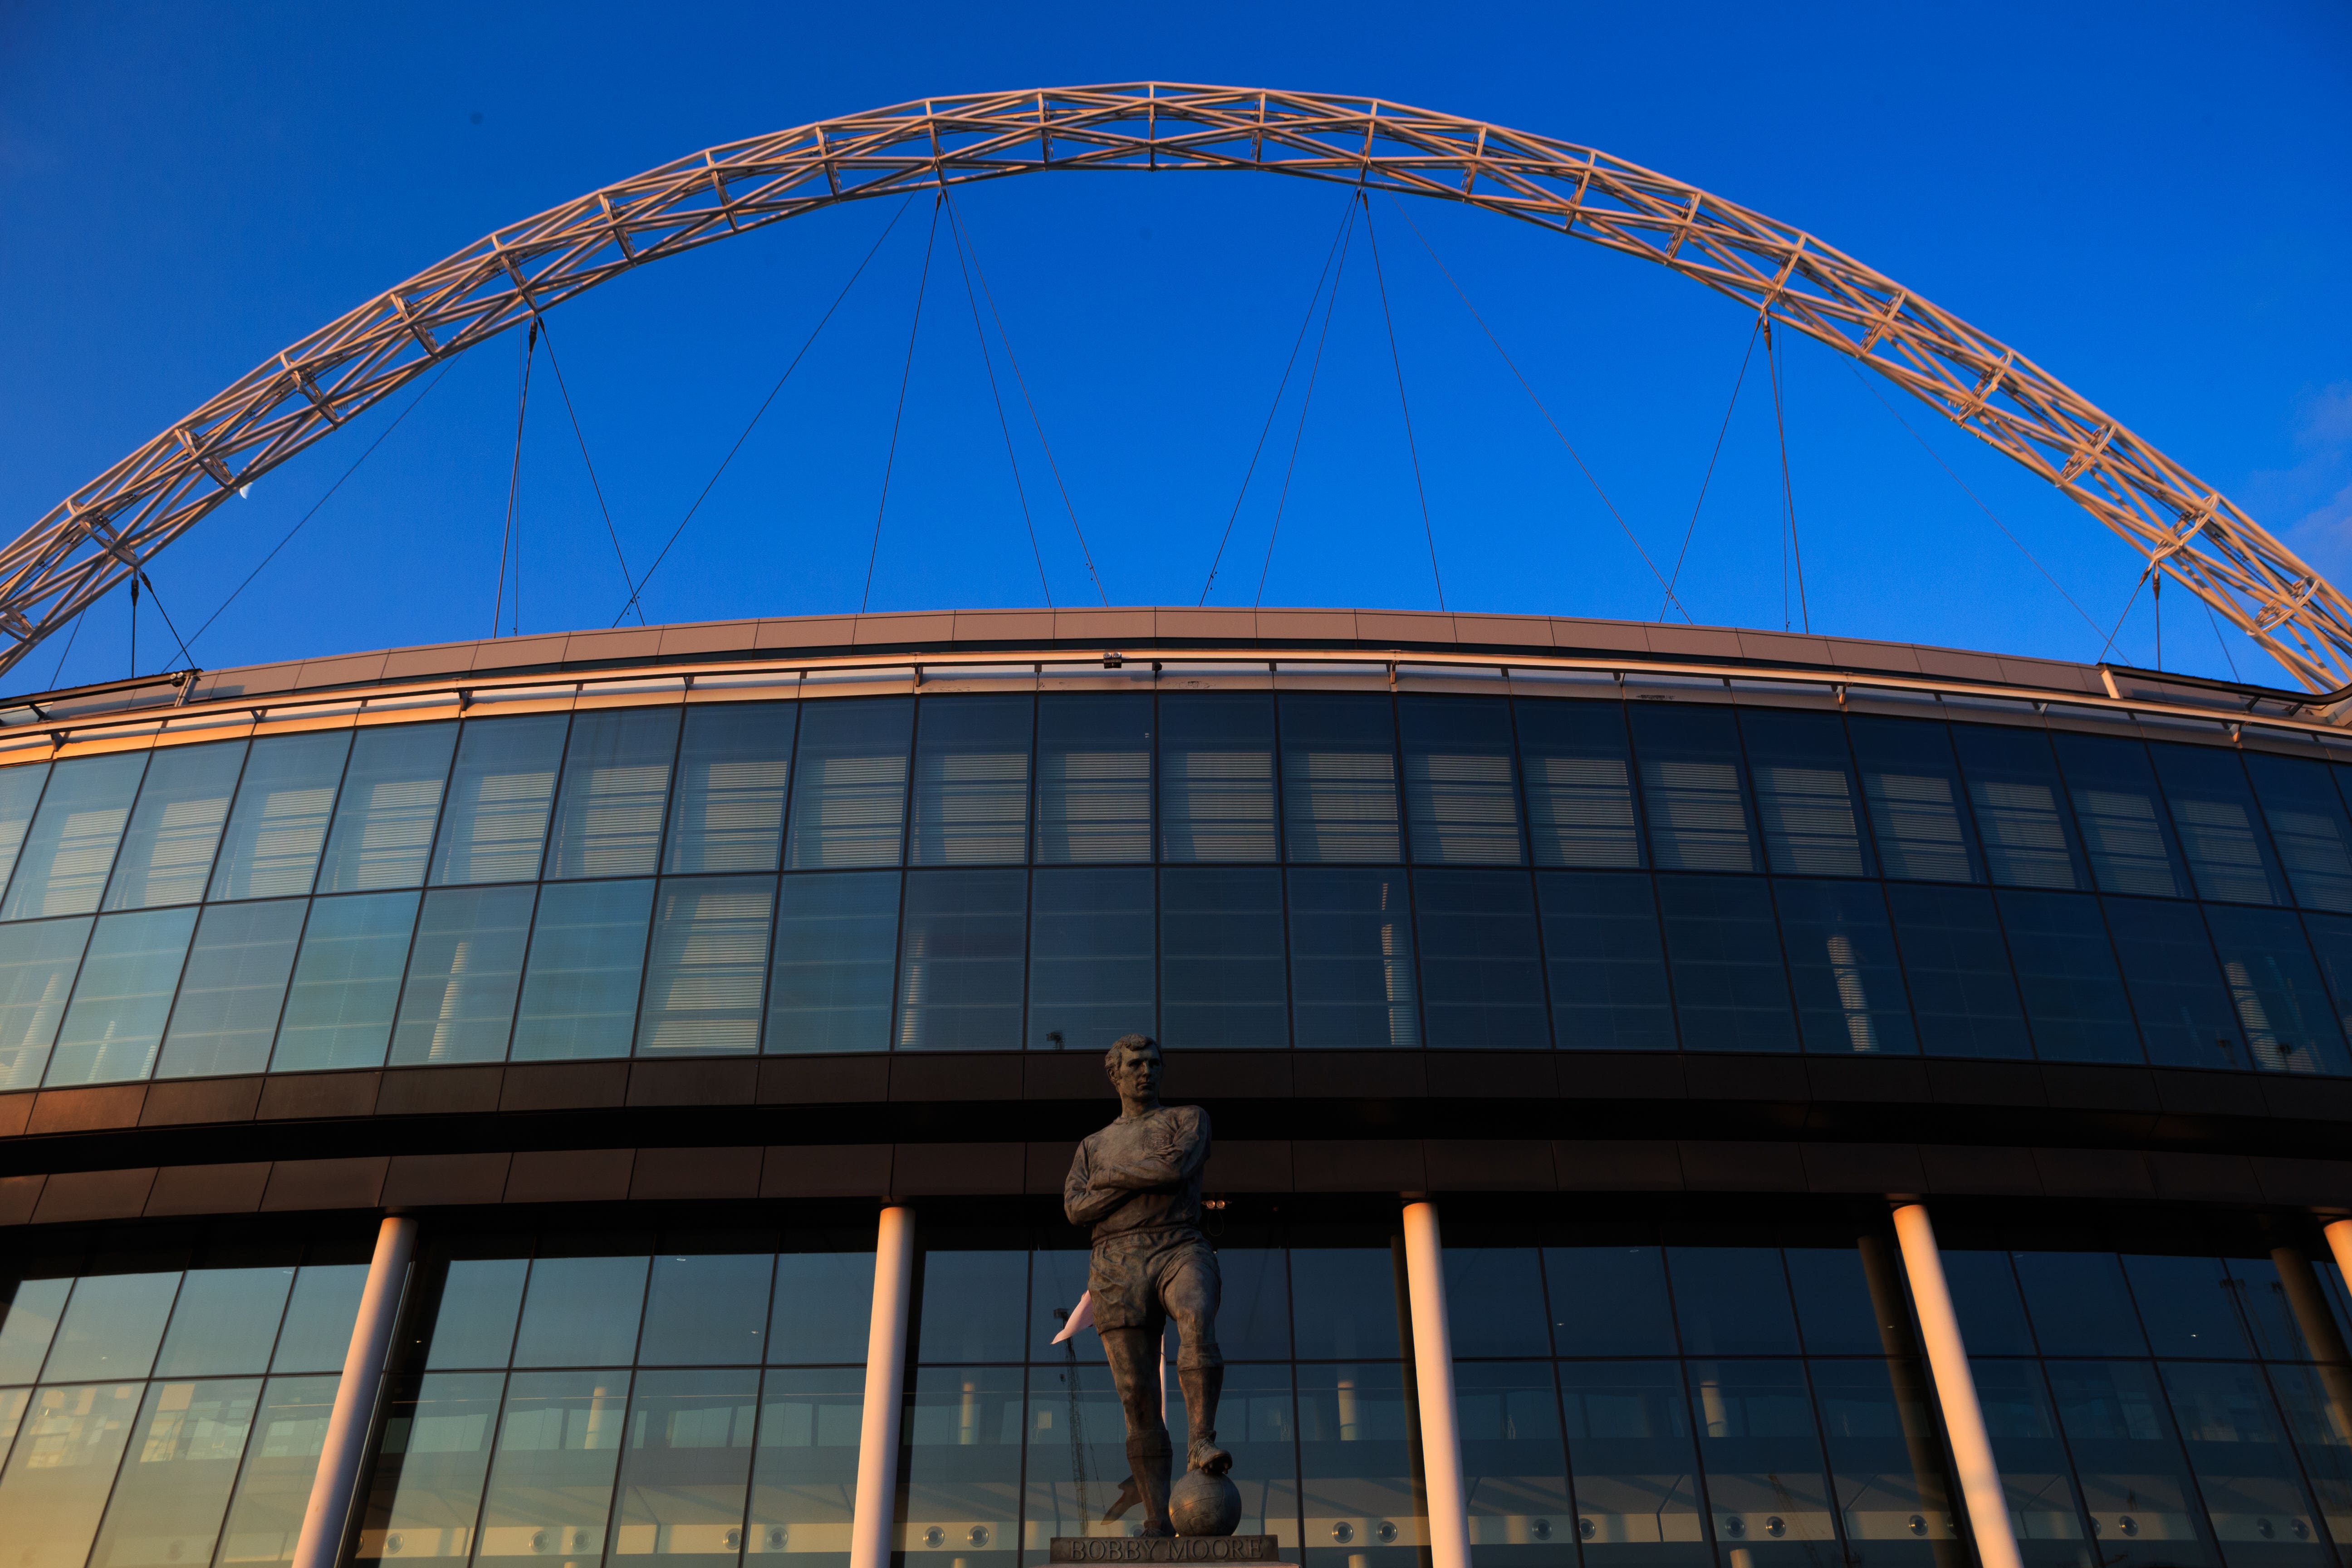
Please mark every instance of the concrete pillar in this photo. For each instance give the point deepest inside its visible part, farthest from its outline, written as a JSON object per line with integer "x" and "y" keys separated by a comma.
{"x": 875, "y": 1509}
{"x": 1433, "y": 1359}
{"x": 1913, "y": 1407}
{"x": 323, "y": 1521}
{"x": 2339, "y": 1242}
{"x": 1956, "y": 1388}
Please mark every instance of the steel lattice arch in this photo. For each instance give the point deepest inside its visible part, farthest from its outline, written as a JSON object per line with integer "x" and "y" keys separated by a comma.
{"x": 91, "y": 541}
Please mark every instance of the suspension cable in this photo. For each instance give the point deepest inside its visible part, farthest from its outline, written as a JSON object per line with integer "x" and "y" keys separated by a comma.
{"x": 2216, "y": 621}
{"x": 1004, "y": 425}
{"x": 1314, "y": 374}
{"x": 1420, "y": 490}
{"x": 1787, "y": 490}
{"x": 2126, "y": 616}
{"x": 514, "y": 488}
{"x": 1712, "y": 458}
{"x": 593, "y": 483}
{"x": 184, "y": 654}
{"x": 906, "y": 374}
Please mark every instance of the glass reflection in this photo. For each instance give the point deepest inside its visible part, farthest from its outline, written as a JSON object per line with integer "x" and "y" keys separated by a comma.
{"x": 270, "y": 849}
{"x": 500, "y": 791}
{"x": 167, "y": 854}
{"x": 431, "y": 1463}
{"x": 550, "y": 1484}
{"x": 1631, "y": 1465}
{"x": 804, "y": 1470}
{"x": 728, "y": 812}
{"x": 686, "y": 1472}
{"x": 391, "y": 799}
{"x": 172, "y": 1491}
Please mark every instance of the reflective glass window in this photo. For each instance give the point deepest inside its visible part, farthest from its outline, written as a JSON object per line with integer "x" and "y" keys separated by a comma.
{"x": 1844, "y": 967}
{"x": 1841, "y": 1292}
{"x": 464, "y": 969}
{"x": 36, "y": 972}
{"x": 2245, "y": 1471}
{"x": 1732, "y": 1300}
{"x": 971, "y": 1303}
{"x": 2308, "y": 825}
{"x": 1609, "y": 1301}
{"x": 2122, "y": 814}
{"x": 1216, "y": 776}
{"x": 27, "y": 1325}
{"x": 2036, "y": 1474}
{"x": 2029, "y": 839}
{"x": 2221, "y": 832}
{"x": 2135, "y": 1486}
{"x": 1094, "y": 777}
{"x": 1962, "y": 993}
{"x": 427, "y": 1491}
{"x": 687, "y": 1468}
{"x": 71, "y": 849}
{"x": 2186, "y": 1015}
{"x": 1356, "y": 1466}
{"x": 282, "y": 1461}
{"x": 804, "y": 1471}
{"x": 1694, "y": 789}
{"x": 54, "y": 1490}
{"x": 1075, "y": 1431}
{"x": 391, "y": 799}
{"x": 2187, "y": 1306}
{"x": 552, "y": 1475}
{"x": 1507, "y": 1284}
{"x": 959, "y": 1466}
{"x": 580, "y": 983}
{"x": 972, "y": 781}
{"x": 824, "y": 1306}
{"x": 278, "y": 826}
{"x": 20, "y": 793}
{"x": 174, "y": 1488}
{"x": 2316, "y": 1407}
{"x": 734, "y": 765}
{"x": 500, "y": 791}
{"x": 1986, "y": 1301}
{"x": 1340, "y": 777}
{"x": 707, "y": 966}
{"x": 1515, "y": 1465}
{"x": 346, "y": 982}
{"x": 1344, "y": 1302}
{"x": 1090, "y": 964}
{"x": 706, "y": 1308}
{"x": 476, "y": 1311}
{"x": 1462, "y": 798}
{"x": 1482, "y": 982}
{"x": 1766, "y": 1483}
{"x": 849, "y": 792}
{"x": 2079, "y": 1303}
{"x": 1352, "y": 971}
{"x": 1632, "y": 1466}
{"x": 1887, "y": 1462}
{"x": 1807, "y": 799}
{"x": 1918, "y": 809}
{"x": 1223, "y": 977}
{"x": 582, "y": 1310}
{"x": 836, "y": 958}
{"x": 2066, "y": 972}
{"x": 319, "y": 1317}
{"x": 113, "y": 1326}
{"x": 2331, "y": 941}
{"x": 1579, "y": 781}
{"x": 959, "y": 961}
{"x": 225, "y": 1320}
{"x": 122, "y": 996}
{"x": 231, "y": 989}
{"x": 2282, "y": 1009}
{"x": 1606, "y": 961}
{"x": 1723, "y": 947}
{"x": 608, "y": 816}
{"x": 167, "y": 852}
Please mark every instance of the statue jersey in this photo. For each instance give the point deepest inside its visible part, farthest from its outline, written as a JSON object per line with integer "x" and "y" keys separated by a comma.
{"x": 1167, "y": 1149}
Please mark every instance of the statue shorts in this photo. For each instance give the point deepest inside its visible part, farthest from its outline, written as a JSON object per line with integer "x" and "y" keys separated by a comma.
{"x": 1143, "y": 1278}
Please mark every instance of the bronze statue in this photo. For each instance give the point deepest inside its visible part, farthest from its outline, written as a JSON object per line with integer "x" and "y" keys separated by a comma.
{"x": 1137, "y": 1184}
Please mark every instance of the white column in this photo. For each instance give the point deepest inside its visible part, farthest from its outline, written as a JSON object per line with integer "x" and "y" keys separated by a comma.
{"x": 347, "y": 1426}
{"x": 875, "y": 1509}
{"x": 2340, "y": 1242}
{"x": 1433, "y": 1359}
{"x": 1956, "y": 1390}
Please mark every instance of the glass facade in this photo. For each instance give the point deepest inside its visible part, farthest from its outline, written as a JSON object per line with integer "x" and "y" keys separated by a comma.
{"x": 1261, "y": 870}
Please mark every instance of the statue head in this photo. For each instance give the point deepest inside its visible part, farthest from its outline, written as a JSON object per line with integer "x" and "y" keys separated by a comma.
{"x": 1132, "y": 1063}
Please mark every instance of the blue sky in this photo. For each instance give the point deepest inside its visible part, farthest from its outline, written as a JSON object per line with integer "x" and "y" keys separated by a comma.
{"x": 2151, "y": 201}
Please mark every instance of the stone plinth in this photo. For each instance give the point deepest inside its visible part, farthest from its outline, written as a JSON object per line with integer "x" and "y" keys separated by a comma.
{"x": 1204, "y": 1549}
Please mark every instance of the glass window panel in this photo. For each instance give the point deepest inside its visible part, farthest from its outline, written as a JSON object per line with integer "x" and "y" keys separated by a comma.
{"x": 1732, "y": 1300}
{"x": 1089, "y": 958}
{"x": 2308, "y": 825}
{"x": 2067, "y": 974}
{"x": 1842, "y": 963}
{"x": 1216, "y": 776}
{"x": 1918, "y": 810}
{"x": 1057, "y": 1278}
{"x": 971, "y": 1305}
{"x": 1460, "y": 793}
{"x": 1094, "y": 777}
{"x": 836, "y": 958}
{"x": 1887, "y": 1464}
{"x": 733, "y": 767}
{"x": 960, "y": 962}
{"x": 960, "y": 1464}
{"x": 849, "y": 798}
{"x": 122, "y": 996}
{"x": 1767, "y": 1486}
{"x": 1344, "y": 1302}
{"x": 1515, "y": 1467}
{"x": 1693, "y": 789}
{"x": 1506, "y": 1283}
{"x": 113, "y": 1326}
{"x": 426, "y": 1491}
{"x": 2035, "y": 1472}
{"x": 687, "y": 1469}
{"x": 1356, "y": 1469}
{"x": 1351, "y": 959}
{"x": 1606, "y": 961}
{"x": 551, "y": 1486}
{"x": 71, "y": 849}
{"x": 2251, "y": 1485}
{"x": 346, "y": 982}
{"x": 1962, "y": 993}
{"x": 2282, "y": 1007}
{"x": 2186, "y": 1014}
{"x": 27, "y": 1319}
{"x": 2188, "y": 1306}
{"x": 383, "y": 834}
{"x": 474, "y": 1314}
{"x": 2116, "y": 800}
{"x": 708, "y": 964}
{"x": 1986, "y": 1301}
{"x": 1837, "y": 1310}
{"x": 2221, "y": 835}
{"x": 2331, "y": 941}
{"x": 579, "y": 985}
{"x": 1609, "y": 1300}
{"x": 1632, "y": 1464}
{"x": 2138, "y": 1492}
{"x": 1482, "y": 977}
{"x": 20, "y": 793}
{"x": 972, "y": 781}
{"x": 1257, "y": 1422}
{"x": 232, "y": 988}
{"x": 1223, "y": 976}
{"x": 1338, "y": 777}
{"x": 500, "y": 791}
{"x": 2079, "y": 1303}
{"x": 2317, "y": 1406}
{"x": 824, "y": 1306}
{"x": 608, "y": 818}
{"x": 37, "y": 972}
{"x": 2274, "y": 1318}
{"x": 1730, "y": 990}
{"x": 2029, "y": 839}
{"x": 225, "y": 1320}
{"x": 804, "y": 1471}
{"x": 1579, "y": 783}
{"x": 707, "y": 1309}
{"x": 55, "y": 1489}
{"x": 319, "y": 1318}
{"x": 167, "y": 852}
{"x": 463, "y": 973}
{"x": 582, "y": 1311}
{"x": 1077, "y": 1451}
{"x": 284, "y": 802}
{"x": 1253, "y": 1312}
{"x": 174, "y": 1488}
{"x": 1807, "y": 799}
{"x": 282, "y": 1461}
